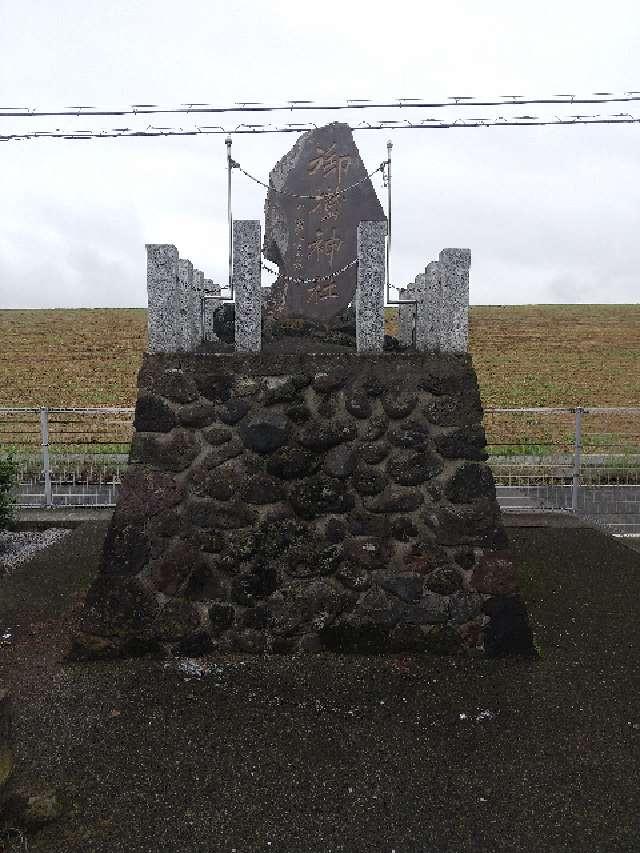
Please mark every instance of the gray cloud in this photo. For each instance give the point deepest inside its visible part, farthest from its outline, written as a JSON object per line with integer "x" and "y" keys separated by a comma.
{"x": 550, "y": 214}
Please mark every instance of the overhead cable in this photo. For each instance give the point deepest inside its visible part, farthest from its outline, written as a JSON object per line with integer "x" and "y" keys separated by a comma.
{"x": 388, "y": 125}
{"x": 332, "y": 106}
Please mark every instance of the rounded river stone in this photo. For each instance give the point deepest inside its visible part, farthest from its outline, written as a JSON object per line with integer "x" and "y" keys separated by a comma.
{"x": 264, "y": 432}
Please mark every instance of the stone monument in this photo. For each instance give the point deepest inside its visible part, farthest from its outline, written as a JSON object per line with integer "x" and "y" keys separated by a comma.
{"x": 319, "y": 194}
{"x": 321, "y": 499}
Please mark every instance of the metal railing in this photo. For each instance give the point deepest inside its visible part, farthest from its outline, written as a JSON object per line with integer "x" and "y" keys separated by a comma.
{"x": 580, "y": 459}
{"x": 584, "y": 460}
{"x": 67, "y": 456}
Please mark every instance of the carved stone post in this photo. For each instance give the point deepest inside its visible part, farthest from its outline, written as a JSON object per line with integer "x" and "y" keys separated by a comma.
{"x": 210, "y": 302}
{"x": 406, "y": 314}
{"x": 195, "y": 309}
{"x": 429, "y": 319}
{"x": 455, "y": 264}
{"x": 246, "y": 282}
{"x": 163, "y": 316}
{"x": 185, "y": 280}
{"x": 370, "y": 287}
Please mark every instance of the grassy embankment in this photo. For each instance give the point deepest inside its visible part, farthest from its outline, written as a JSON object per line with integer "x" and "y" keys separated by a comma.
{"x": 539, "y": 355}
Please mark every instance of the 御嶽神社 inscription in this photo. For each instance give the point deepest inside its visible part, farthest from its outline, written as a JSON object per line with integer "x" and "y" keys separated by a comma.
{"x": 320, "y": 193}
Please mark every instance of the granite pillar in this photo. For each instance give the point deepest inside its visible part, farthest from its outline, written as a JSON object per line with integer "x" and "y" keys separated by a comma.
{"x": 406, "y": 315}
{"x": 370, "y": 287}
{"x": 211, "y": 301}
{"x": 429, "y": 314}
{"x": 185, "y": 284}
{"x": 163, "y": 316}
{"x": 246, "y": 283}
{"x": 195, "y": 309}
{"x": 454, "y": 330}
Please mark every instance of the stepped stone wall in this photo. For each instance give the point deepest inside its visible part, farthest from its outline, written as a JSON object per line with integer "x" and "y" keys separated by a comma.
{"x": 300, "y": 502}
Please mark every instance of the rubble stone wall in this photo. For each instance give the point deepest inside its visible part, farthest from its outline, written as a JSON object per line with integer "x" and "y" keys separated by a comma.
{"x": 300, "y": 502}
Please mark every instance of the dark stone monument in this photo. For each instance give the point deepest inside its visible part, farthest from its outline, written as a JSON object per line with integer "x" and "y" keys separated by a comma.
{"x": 310, "y": 499}
{"x": 320, "y": 194}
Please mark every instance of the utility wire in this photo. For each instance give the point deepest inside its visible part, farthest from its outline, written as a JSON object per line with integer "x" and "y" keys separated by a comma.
{"x": 307, "y": 104}
{"x": 425, "y": 124}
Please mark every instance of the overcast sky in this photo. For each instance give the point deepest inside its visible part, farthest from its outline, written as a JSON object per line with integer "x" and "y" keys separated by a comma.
{"x": 550, "y": 214}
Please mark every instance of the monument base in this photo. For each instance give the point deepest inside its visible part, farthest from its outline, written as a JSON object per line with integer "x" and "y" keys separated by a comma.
{"x": 306, "y": 502}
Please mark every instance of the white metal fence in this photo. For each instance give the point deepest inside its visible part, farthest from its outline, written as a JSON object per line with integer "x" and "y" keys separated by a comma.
{"x": 67, "y": 456}
{"x": 584, "y": 460}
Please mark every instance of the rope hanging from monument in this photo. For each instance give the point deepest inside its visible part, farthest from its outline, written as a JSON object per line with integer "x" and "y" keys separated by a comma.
{"x": 293, "y": 280}
{"x": 380, "y": 168}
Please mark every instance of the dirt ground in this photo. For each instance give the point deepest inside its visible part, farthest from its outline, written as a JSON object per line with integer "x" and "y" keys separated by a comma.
{"x": 327, "y": 753}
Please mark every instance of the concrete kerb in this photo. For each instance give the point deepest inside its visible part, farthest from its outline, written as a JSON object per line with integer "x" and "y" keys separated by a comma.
{"x": 67, "y": 518}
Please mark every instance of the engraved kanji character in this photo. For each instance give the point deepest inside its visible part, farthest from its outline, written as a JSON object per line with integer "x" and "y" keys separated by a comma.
{"x": 328, "y": 206}
{"x": 329, "y": 162}
{"x": 332, "y": 246}
{"x": 317, "y": 246}
{"x": 329, "y": 246}
{"x": 322, "y": 290}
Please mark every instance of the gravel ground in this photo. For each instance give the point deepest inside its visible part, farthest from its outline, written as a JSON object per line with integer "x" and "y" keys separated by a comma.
{"x": 338, "y": 753}
{"x": 17, "y": 548}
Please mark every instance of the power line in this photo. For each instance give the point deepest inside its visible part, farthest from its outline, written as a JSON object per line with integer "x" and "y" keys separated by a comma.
{"x": 299, "y": 127}
{"x": 308, "y": 104}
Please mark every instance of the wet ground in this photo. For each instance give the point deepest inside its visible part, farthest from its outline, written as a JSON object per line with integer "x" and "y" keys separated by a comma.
{"x": 326, "y": 753}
